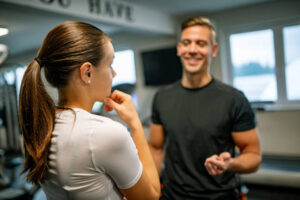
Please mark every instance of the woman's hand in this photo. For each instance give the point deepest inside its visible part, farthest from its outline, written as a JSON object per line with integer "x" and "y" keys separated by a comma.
{"x": 123, "y": 105}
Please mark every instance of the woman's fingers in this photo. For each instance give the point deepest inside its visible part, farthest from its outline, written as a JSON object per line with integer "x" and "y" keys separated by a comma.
{"x": 115, "y": 99}
{"x": 119, "y": 96}
{"x": 110, "y": 104}
{"x": 123, "y": 105}
{"x": 107, "y": 108}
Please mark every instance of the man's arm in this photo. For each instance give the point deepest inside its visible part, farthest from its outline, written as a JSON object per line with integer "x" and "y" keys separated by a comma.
{"x": 248, "y": 160}
{"x": 156, "y": 144}
{"x": 250, "y": 156}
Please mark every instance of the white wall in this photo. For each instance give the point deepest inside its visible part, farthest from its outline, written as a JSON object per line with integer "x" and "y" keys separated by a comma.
{"x": 279, "y": 130}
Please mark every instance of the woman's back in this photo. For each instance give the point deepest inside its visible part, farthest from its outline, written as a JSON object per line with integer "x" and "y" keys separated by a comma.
{"x": 89, "y": 154}
{"x": 72, "y": 153}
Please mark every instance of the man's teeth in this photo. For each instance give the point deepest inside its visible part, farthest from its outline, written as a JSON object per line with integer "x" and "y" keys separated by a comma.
{"x": 193, "y": 59}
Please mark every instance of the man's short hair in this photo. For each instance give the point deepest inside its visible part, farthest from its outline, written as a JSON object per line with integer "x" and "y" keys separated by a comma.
{"x": 200, "y": 21}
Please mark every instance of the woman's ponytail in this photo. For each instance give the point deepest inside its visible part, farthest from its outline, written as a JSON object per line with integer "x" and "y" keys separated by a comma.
{"x": 37, "y": 117}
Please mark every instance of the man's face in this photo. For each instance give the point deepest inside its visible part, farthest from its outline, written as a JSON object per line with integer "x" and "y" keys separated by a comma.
{"x": 196, "y": 49}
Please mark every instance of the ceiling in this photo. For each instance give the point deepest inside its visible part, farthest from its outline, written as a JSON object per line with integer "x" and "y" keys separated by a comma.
{"x": 29, "y": 26}
{"x": 184, "y": 7}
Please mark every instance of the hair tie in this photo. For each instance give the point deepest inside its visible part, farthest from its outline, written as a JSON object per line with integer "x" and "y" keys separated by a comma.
{"x": 38, "y": 61}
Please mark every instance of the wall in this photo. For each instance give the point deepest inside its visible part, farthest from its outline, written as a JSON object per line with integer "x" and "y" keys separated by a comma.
{"x": 139, "y": 43}
{"x": 279, "y": 130}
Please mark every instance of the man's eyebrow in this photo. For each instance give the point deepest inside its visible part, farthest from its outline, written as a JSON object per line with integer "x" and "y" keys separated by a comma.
{"x": 202, "y": 40}
{"x": 184, "y": 40}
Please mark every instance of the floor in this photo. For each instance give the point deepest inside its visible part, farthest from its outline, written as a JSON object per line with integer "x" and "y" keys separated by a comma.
{"x": 255, "y": 191}
{"x": 262, "y": 192}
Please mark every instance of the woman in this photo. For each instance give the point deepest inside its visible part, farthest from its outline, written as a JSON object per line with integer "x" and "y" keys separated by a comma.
{"x": 72, "y": 153}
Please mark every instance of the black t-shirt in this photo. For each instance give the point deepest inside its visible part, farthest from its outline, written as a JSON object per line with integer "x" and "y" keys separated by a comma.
{"x": 197, "y": 124}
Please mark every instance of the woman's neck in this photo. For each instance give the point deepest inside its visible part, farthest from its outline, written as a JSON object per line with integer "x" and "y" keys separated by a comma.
{"x": 69, "y": 99}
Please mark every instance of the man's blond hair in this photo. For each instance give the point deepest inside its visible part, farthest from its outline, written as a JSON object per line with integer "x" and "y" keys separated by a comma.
{"x": 200, "y": 21}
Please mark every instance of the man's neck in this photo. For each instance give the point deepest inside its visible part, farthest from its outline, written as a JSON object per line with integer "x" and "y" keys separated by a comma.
{"x": 195, "y": 80}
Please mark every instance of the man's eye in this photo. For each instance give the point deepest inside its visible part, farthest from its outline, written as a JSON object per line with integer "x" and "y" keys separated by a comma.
{"x": 202, "y": 43}
{"x": 185, "y": 43}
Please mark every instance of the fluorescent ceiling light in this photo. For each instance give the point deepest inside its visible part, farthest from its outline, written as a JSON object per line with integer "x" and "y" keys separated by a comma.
{"x": 3, "y": 31}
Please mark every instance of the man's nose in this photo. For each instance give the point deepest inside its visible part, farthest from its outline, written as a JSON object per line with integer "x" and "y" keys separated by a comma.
{"x": 192, "y": 47}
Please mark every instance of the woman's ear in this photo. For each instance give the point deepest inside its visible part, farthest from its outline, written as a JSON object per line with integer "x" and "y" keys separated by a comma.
{"x": 86, "y": 72}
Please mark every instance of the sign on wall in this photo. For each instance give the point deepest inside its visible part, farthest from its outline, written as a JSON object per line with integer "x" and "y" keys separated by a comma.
{"x": 115, "y": 12}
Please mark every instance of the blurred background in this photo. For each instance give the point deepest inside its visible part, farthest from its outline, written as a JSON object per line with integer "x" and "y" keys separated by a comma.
{"x": 259, "y": 45}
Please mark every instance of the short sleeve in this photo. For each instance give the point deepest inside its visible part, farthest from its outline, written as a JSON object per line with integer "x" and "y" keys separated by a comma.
{"x": 117, "y": 156}
{"x": 243, "y": 116}
{"x": 155, "y": 110}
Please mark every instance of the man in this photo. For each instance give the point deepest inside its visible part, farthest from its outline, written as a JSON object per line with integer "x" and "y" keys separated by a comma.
{"x": 201, "y": 120}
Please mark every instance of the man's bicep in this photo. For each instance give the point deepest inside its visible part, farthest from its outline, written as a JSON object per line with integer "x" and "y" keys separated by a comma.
{"x": 250, "y": 156}
{"x": 247, "y": 140}
{"x": 156, "y": 137}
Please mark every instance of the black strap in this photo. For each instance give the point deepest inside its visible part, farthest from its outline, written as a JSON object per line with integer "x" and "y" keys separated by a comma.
{"x": 38, "y": 61}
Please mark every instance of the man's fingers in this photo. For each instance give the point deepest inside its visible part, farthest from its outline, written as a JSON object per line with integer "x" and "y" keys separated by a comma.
{"x": 213, "y": 169}
{"x": 213, "y": 157}
{"x": 225, "y": 155}
{"x": 216, "y": 165}
{"x": 210, "y": 168}
{"x": 216, "y": 161}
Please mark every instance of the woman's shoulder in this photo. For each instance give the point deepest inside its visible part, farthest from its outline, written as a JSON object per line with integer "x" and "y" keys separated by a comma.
{"x": 106, "y": 122}
{"x": 109, "y": 128}
{"x": 88, "y": 121}
{"x": 113, "y": 135}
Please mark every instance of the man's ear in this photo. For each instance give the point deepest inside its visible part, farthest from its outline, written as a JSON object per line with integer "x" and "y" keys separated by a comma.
{"x": 178, "y": 47}
{"x": 85, "y": 71}
{"x": 215, "y": 50}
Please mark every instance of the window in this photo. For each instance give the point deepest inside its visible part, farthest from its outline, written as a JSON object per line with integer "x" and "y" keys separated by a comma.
{"x": 253, "y": 64}
{"x": 265, "y": 64}
{"x": 125, "y": 79}
{"x": 291, "y": 38}
{"x": 124, "y": 66}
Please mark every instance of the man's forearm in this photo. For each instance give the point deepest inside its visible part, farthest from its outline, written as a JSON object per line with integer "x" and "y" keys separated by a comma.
{"x": 245, "y": 163}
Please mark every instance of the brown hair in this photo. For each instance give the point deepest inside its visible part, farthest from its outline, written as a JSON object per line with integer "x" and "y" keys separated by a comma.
{"x": 200, "y": 21}
{"x": 65, "y": 48}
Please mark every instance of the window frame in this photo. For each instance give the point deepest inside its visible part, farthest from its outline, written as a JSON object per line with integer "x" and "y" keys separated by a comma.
{"x": 277, "y": 27}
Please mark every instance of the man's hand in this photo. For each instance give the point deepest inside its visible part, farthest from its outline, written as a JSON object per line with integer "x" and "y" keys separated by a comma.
{"x": 217, "y": 164}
